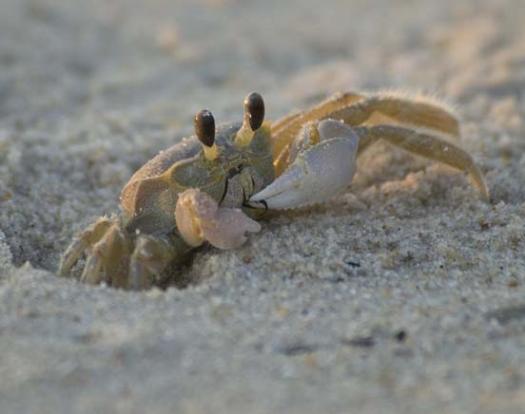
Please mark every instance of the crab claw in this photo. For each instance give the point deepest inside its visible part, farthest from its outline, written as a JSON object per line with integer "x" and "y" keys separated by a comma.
{"x": 318, "y": 172}
{"x": 200, "y": 219}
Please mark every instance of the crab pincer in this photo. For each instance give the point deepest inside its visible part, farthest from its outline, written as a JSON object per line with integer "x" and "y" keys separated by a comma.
{"x": 199, "y": 218}
{"x": 322, "y": 165}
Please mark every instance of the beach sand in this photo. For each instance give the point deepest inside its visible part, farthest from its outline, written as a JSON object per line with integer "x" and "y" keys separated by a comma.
{"x": 406, "y": 294}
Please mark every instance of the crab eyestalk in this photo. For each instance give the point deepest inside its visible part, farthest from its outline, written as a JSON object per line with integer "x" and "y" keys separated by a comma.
{"x": 204, "y": 124}
{"x": 252, "y": 120}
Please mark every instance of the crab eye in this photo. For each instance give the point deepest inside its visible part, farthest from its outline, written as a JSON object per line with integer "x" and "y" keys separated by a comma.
{"x": 254, "y": 108}
{"x": 205, "y": 127}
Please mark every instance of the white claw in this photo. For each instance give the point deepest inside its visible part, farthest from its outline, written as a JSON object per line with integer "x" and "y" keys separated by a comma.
{"x": 200, "y": 219}
{"x": 318, "y": 173}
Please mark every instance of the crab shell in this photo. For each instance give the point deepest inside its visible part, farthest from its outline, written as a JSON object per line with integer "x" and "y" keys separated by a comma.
{"x": 149, "y": 199}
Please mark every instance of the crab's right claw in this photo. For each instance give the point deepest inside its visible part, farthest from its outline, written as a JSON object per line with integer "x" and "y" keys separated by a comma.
{"x": 199, "y": 218}
{"x": 318, "y": 172}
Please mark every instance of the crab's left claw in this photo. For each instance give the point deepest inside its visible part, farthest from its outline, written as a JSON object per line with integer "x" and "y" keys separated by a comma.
{"x": 318, "y": 172}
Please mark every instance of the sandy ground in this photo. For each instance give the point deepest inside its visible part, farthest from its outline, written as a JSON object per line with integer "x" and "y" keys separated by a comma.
{"x": 408, "y": 296}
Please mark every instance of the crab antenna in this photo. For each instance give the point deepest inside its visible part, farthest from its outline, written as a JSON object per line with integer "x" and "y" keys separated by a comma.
{"x": 204, "y": 124}
{"x": 252, "y": 120}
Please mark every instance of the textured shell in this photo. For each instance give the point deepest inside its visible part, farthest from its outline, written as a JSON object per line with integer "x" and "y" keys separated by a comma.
{"x": 144, "y": 184}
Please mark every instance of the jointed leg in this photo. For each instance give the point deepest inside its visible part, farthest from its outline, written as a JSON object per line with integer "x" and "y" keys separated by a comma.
{"x": 108, "y": 258}
{"x": 408, "y": 112}
{"x": 285, "y": 129}
{"x": 150, "y": 258}
{"x": 428, "y": 146}
{"x": 364, "y": 142}
{"x": 82, "y": 242}
{"x": 106, "y": 246}
{"x": 354, "y": 110}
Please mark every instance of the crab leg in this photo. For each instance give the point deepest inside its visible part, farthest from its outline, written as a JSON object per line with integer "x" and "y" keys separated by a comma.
{"x": 104, "y": 262}
{"x": 355, "y": 109}
{"x": 285, "y": 129}
{"x": 83, "y": 241}
{"x": 428, "y": 146}
{"x": 149, "y": 258}
{"x": 318, "y": 171}
{"x": 92, "y": 273}
{"x": 419, "y": 112}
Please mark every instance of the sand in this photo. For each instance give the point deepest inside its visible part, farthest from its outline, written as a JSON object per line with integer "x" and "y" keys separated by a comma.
{"x": 406, "y": 294}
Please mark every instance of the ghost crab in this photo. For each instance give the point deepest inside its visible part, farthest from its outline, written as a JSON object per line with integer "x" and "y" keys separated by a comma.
{"x": 208, "y": 188}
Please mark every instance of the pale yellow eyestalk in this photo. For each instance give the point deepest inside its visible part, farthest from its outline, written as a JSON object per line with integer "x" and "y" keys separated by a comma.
{"x": 252, "y": 120}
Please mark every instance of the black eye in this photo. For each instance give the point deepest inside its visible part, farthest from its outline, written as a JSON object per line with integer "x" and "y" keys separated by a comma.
{"x": 254, "y": 107}
{"x": 205, "y": 127}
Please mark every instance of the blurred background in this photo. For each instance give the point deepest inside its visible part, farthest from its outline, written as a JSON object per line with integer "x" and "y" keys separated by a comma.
{"x": 164, "y": 59}
{"x": 91, "y": 89}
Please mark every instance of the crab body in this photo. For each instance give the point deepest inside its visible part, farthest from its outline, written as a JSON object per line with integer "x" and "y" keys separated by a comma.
{"x": 210, "y": 187}
{"x": 150, "y": 197}
{"x": 131, "y": 250}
